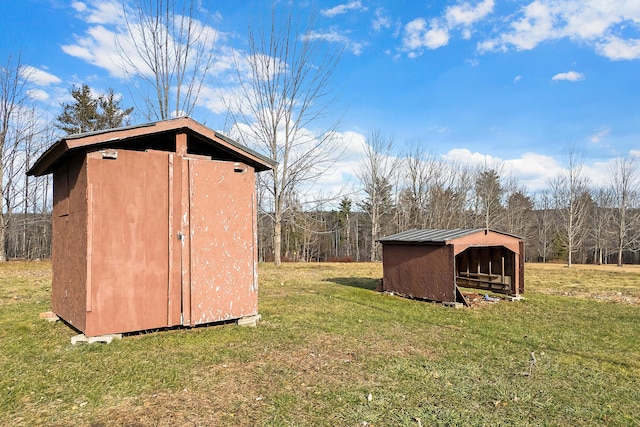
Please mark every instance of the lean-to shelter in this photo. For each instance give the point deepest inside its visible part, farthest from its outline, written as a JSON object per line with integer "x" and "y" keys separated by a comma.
{"x": 432, "y": 264}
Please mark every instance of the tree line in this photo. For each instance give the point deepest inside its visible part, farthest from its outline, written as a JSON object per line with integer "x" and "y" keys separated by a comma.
{"x": 571, "y": 220}
{"x": 25, "y": 133}
{"x": 283, "y": 107}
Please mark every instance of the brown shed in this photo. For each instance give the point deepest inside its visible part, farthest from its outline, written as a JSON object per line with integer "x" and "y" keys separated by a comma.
{"x": 153, "y": 226}
{"x": 432, "y": 264}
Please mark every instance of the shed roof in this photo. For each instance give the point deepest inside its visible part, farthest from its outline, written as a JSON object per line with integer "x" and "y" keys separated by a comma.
{"x": 211, "y": 143}
{"x": 434, "y": 236}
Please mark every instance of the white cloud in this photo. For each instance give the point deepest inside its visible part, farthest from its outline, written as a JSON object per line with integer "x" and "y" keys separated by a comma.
{"x": 418, "y": 35}
{"x": 595, "y": 23}
{"x": 536, "y": 26}
{"x": 221, "y": 100}
{"x": 339, "y": 158}
{"x": 517, "y": 78}
{"x": 38, "y": 77}
{"x": 381, "y": 21}
{"x": 571, "y": 76}
{"x": 465, "y": 156}
{"x": 490, "y": 46}
{"x": 38, "y": 94}
{"x": 100, "y": 11}
{"x": 618, "y": 49}
{"x": 79, "y": 6}
{"x": 532, "y": 170}
{"x": 98, "y": 47}
{"x": 343, "y": 8}
{"x": 436, "y": 37}
{"x": 466, "y": 14}
{"x": 333, "y": 36}
{"x": 599, "y": 135}
{"x": 344, "y": 172}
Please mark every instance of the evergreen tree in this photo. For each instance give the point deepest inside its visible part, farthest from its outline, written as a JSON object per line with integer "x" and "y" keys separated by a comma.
{"x": 111, "y": 115}
{"x": 90, "y": 113}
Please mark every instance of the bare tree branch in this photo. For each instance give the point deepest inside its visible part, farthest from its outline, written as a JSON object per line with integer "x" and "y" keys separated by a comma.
{"x": 168, "y": 53}
{"x": 285, "y": 94}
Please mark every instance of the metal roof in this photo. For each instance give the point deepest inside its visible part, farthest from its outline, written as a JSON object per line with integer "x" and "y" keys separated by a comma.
{"x": 428, "y": 236}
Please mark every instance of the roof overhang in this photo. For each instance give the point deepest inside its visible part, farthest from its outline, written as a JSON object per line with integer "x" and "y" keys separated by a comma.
{"x": 68, "y": 145}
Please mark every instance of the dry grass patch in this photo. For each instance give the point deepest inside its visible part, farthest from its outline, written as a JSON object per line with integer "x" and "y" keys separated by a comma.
{"x": 22, "y": 281}
{"x": 600, "y": 282}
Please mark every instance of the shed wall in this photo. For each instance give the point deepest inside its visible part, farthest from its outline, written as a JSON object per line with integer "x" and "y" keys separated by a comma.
{"x": 69, "y": 242}
{"x": 419, "y": 271}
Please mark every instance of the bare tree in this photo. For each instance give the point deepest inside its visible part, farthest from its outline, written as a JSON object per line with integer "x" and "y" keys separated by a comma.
{"x": 22, "y": 194}
{"x": 422, "y": 168}
{"x": 625, "y": 187}
{"x": 376, "y": 174}
{"x": 13, "y": 98}
{"x": 448, "y": 196}
{"x": 518, "y": 215}
{"x": 169, "y": 52}
{"x": 572, "y": 202}
{"x": 601, "y": 222}
{"x": 284, "y": 82}
{"x": 544, "y": 223}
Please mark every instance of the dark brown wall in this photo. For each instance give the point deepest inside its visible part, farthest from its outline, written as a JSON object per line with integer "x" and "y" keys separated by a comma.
{"x": 420, "y": 271}
{"x": 521, "y": 268}
{"x": 69, "y": 242}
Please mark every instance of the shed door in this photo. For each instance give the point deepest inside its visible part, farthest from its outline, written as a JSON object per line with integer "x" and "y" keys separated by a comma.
{"x": 220, "y": 215}
{"x": 127, "y": 271}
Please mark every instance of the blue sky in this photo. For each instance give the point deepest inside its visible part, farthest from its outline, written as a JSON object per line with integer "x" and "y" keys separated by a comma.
{"x": 498, "y": 81}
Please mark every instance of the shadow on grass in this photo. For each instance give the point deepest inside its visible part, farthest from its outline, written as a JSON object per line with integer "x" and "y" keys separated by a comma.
{"x": 357, "y": 282}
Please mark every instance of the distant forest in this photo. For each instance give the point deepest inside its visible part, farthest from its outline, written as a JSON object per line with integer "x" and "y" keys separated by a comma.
{"x": 572, "y": 220}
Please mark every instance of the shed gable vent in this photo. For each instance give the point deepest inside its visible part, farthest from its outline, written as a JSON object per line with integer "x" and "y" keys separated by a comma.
{"x": 109, "y": 154}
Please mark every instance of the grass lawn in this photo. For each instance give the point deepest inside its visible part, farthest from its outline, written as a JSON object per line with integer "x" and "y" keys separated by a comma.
{"x": 330, "y": 351}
